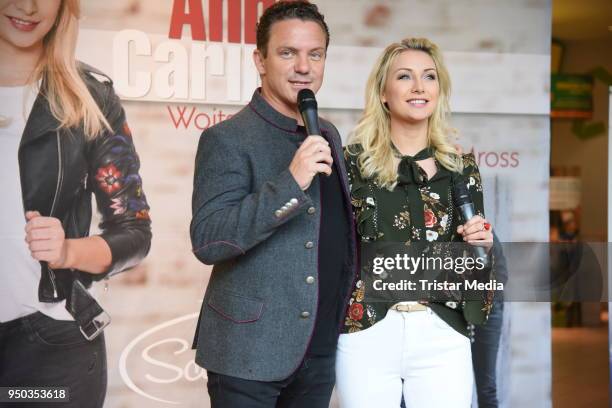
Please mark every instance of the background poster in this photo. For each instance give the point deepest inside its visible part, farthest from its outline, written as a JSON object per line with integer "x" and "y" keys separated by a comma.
{"x": 498, "y": 53}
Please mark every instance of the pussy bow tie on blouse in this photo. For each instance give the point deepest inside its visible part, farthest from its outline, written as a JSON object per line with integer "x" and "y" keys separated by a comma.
{"x": 408, "y": 171}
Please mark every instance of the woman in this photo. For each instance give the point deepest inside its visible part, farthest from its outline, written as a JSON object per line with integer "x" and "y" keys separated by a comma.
{"x": 63, "y": 137}
{"x": 402, "y": 167}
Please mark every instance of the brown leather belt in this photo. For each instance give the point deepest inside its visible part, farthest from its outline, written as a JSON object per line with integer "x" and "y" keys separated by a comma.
{"x": 411, "y": 307}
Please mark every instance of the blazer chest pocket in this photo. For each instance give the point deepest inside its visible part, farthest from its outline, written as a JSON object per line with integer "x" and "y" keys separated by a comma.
{"x": 236, "y": 308}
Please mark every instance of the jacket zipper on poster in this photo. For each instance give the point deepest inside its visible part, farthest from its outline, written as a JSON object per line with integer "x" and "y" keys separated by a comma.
{"x": 60, "y": 177}
{"x": 52, "y": 279}
{"x": 60, "y": 174}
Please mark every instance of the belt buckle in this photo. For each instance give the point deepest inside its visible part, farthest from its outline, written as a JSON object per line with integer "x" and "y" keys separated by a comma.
{"x": 412, "y": 307}
{"x": 95, "y": 326}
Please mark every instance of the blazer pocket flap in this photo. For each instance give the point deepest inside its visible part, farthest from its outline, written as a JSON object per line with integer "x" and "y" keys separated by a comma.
{"x": 235, "y": 307}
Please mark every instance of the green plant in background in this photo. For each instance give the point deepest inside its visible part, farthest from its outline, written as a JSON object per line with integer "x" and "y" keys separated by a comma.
{"x": 584, "y": 130}
{"x": 580, "y": 127}
{"x": 603, "y": 75}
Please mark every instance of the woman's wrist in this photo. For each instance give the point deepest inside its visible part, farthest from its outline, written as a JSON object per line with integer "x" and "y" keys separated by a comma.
{"x": 90, "y": 254}
{"x": 66, "y": 258}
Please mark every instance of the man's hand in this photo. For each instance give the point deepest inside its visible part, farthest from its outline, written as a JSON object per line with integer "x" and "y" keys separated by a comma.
{"x": 313, "y": 156}
{"x": 46, "y": 239}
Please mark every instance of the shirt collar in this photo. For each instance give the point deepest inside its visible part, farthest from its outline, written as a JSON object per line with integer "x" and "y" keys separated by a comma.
{"x": 264, "y": 110}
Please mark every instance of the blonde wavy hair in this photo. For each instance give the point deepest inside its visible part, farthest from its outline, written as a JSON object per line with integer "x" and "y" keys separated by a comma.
{"x": 373, "y": 132}
{"x": 69, "y": 99}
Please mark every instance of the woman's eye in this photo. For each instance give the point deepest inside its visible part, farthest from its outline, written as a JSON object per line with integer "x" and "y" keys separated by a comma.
{"x": 431, "y": 76}
{"x": 404, "y": 76}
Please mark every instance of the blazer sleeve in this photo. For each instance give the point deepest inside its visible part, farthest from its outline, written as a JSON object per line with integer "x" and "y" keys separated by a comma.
{"x": 228, "y": 218}
{"x": 116, "y": 184}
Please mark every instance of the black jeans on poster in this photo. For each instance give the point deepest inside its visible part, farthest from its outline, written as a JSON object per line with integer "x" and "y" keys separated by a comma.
{"x": 38, "y": 351}
{"x": 484, "y": 357}
{"x": 310, "y": 386}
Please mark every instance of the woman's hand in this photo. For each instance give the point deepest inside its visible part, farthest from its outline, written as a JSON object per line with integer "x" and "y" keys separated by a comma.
{"x": 47, "y": 242}
{"x": 46, "y": 239}
{"x": 477, "y": 231}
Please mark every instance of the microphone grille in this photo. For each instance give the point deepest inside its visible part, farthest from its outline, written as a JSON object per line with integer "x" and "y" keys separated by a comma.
{"x": 461, "y": 195}
{"x": 306, "y": 99}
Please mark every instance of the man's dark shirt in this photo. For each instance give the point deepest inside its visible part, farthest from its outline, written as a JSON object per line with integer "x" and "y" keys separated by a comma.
{"x": 333, "y": 250}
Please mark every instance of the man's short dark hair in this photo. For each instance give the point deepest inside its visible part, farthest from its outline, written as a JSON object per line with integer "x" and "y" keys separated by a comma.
{"x": 285, "y": 10}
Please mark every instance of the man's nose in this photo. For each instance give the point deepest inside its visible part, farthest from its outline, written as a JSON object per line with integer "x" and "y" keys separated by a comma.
{"x": 302, "y": 64}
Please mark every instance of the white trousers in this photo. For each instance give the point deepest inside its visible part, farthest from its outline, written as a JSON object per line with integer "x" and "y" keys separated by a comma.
{"x": 433, "y": 360}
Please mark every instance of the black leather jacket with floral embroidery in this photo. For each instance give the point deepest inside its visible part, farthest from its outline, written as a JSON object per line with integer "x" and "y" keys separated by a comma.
{"x": 60, "y": 169}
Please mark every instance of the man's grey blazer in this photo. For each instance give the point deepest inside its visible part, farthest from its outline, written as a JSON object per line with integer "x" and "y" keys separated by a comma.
{"x": 261, "y": 232}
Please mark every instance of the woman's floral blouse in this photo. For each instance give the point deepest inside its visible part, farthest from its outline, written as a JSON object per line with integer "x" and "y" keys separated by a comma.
{"x": 418, "y": 209}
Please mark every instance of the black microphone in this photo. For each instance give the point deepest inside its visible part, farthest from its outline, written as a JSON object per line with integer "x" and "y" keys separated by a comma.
{"x": 307, "y": 104}
{"x": 464, "y": 204}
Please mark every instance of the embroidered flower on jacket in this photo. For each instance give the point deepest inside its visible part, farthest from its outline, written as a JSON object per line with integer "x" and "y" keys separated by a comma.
{"x": 109, "y": 178}
{"x": 434, "y": 196}
{"x": 472, "y": 181}
{"x": 137, "y": 204}
{"x": 142, "y": 215}
{"x": 430, "y": 218}
{"x": 118, "y": 205}
{"x": 356, "y": 311}
{"x": 126, "y": 130}
{"x": 431, "y": 235}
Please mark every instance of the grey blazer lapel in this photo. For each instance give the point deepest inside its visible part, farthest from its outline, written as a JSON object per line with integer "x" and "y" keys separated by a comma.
{"x": 336, "y": 146}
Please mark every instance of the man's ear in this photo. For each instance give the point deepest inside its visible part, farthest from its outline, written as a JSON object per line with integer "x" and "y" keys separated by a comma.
{"x": 258, "y": 59}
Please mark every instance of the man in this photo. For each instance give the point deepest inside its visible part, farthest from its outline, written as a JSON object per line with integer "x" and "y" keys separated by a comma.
{"x": 271, "y": 211}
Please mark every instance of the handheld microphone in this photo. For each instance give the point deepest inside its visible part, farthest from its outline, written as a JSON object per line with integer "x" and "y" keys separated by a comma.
{"x": 464, "y": 204}
{"x": 307, "y": 104}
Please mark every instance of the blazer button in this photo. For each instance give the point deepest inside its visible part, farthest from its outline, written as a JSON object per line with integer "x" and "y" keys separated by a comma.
{"x": 310, "y": 280}
{"x": 311, "y": 210}
{"x": 309, "y": 245}
{"x": 305, "y": 315}
{"x": 293, "y": 201}
{"x": 278, "y": 213}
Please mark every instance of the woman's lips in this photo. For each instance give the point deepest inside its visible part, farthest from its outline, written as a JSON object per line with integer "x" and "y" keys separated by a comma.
{"x": 22, "y": 25}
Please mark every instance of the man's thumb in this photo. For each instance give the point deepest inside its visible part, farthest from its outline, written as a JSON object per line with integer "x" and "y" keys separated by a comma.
{"x": 31, "y": 214}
